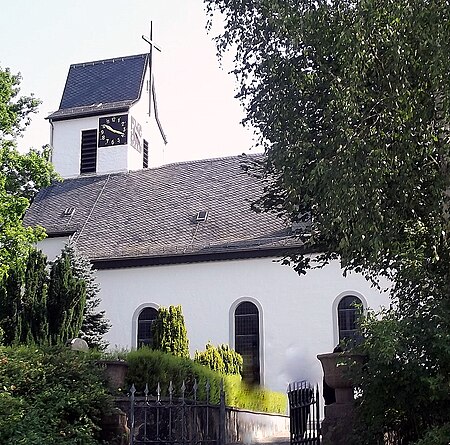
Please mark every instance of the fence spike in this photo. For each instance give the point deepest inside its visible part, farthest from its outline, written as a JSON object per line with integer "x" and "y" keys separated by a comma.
{"x": 170, "y": 390}
{"x": 132, "y": 389}
{"x": 195, "y": 387}
{"x": 158, "y": 392}
{"x": 146, "y": 391}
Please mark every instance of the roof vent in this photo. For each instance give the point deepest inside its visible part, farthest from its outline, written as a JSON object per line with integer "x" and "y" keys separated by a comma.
{"x": 202, "y": 215}
{"x": 69, "y": 211}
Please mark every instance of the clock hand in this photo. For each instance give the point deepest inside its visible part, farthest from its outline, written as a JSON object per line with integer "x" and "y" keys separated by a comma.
{"x": 113, "y": 130}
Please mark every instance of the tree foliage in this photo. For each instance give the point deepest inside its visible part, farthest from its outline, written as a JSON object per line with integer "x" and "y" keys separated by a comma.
{"x": 51, "y": 396}
{"x": 42, "y": 303}
{"x": 352, "y": 103}
{"x": 169, "y": 332}
{"x": 21, "y": 175}
{"x": 95, "y": 325}
{"x": 66, "y": 300}
{"x": 220, "y": 358}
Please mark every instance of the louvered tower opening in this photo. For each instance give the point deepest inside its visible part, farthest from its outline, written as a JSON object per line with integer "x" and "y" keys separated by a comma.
{"x": 88, "y": 162}
{"x": 145, "y": 155}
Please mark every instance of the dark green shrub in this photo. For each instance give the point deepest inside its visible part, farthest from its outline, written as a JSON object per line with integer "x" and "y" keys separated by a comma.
{"x": 50, "y": 396}
{"x": 169, "y": 332}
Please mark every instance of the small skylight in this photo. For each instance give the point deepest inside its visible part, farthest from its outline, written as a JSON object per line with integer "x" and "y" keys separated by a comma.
{"x": 202, "y": 215}
{"x": 69, "y": 211}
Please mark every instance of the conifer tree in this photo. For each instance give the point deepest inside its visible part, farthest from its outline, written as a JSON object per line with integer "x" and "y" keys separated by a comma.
{"x": 95, "y": 325}
{"x": 33, "y": 313}
{"x": 66, "y": 301}
{"x": 23, "y": 301}
{"x": 169, "y": 332}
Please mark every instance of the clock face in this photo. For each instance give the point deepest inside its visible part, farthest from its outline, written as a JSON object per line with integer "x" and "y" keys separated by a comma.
{"x": 112, "y": 130}
{"x": 136, "y": 134}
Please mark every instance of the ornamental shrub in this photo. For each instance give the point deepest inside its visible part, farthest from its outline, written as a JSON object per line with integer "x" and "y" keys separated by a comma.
{"x": 147, "y": 366}
{"x": 221, "y": 359}
{"x": 51, "y": 396}
{"x": 211, "y": 358}
{"x": 169, "y": 332}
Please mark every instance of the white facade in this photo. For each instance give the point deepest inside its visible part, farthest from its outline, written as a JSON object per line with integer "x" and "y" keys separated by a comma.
{"x": 298, "y": 314}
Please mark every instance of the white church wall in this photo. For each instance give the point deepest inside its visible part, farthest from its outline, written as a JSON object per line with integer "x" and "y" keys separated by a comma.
{"x": 52, "y": 246}
{"x": 67, "y": 148}
{"x": 66, "y": 141}
{"x": 297, "y": 312}
{"x": 150, "y": 131}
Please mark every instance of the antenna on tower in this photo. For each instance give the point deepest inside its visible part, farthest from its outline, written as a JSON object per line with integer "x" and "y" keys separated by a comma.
{"x": 151, "y": 90}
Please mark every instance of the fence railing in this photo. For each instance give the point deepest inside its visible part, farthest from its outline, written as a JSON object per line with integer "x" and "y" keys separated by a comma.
{"x": 193, "y": 416}
{"x": 304, "y": 413}
{"x": 154, "y": 419}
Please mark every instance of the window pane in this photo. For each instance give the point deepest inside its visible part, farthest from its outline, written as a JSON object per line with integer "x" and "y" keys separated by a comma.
{"x": 246, "y": 325}
{"x": 145, "y": 321}
{"x": 348, "y": 314}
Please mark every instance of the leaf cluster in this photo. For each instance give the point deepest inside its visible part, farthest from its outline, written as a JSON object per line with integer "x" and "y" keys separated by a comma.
{"x": 44, "y": 303}
{"x": 169, "y": 332}
{"x": 51, "y": 396}
{"x": 147, "y": 366}
{"x": 21, "y": 175}
{"x": 352, "y": 103}
{"x": 222, "y": 359}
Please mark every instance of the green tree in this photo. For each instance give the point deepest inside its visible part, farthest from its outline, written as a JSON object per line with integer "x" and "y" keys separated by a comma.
{"x": 23, "y": 316}
{"x": 66, "y": 300}
{"x": 21, "y": 175}
{"x": 169, "y": 332}
{"x": 95, "y": 325}
{"x": 352, "y": 103}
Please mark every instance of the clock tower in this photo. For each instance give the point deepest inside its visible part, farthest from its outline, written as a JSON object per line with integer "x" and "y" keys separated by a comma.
{"x": 103, "y": 123}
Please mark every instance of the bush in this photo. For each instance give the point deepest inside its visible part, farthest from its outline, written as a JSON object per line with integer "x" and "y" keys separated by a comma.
{"x": 222, "y": 359}
{"x": 169, "y": 332}
{"x": 50, "y": 396}
{"x": 147, "y": 366}
{"x": 401, "y": 389}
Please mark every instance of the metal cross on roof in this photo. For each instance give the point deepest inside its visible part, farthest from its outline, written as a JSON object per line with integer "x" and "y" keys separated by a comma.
{"x": 150, "y": 63}
{"x": 151, "y": 90}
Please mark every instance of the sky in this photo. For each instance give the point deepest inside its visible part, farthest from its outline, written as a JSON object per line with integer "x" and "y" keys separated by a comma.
{"x": 196, "y": 104}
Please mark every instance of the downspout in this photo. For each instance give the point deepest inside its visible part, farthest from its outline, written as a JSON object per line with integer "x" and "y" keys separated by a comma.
{"x": 52, "y": 128}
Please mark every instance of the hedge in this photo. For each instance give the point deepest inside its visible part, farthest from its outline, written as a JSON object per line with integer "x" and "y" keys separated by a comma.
{"x": 147, "y": 366}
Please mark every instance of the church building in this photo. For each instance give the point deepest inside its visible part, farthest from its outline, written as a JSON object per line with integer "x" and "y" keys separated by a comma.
{"x": 183, "y": 234}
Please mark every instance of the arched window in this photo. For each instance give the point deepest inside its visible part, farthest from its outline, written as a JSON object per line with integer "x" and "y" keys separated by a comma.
{"x": 246, "y": 339}
{"x": 145, "y": 321}
{"x": 349, "y": 310}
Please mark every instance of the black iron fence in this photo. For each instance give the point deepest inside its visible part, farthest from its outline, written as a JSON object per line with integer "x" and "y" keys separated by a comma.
{"x": 179, "y": 417}
{"x": 154, "y": 419}
{"x": 304, "y": 413}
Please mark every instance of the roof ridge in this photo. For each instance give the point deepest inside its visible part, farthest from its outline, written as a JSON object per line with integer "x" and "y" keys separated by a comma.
{"x": 199, "y": 161}
{"x": 172, "y": 164}
{"x": 113, "y": 59}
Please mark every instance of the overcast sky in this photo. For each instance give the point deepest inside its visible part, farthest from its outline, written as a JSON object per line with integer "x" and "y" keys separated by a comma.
{"x": 196, "y": 101}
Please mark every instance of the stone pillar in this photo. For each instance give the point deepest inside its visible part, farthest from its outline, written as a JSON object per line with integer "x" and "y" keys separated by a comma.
{"x": 114, "y": 429}
{"x": 337, "y": 426}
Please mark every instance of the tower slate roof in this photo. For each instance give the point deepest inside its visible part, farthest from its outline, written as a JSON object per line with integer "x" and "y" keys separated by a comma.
{"x": 152, "y": 213}
{"x": 104, "y": 85}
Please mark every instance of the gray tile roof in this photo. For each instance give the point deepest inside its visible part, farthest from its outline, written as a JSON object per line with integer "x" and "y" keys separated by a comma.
{"x": 104, "y": 85}
{"x": 152, "y": 212}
